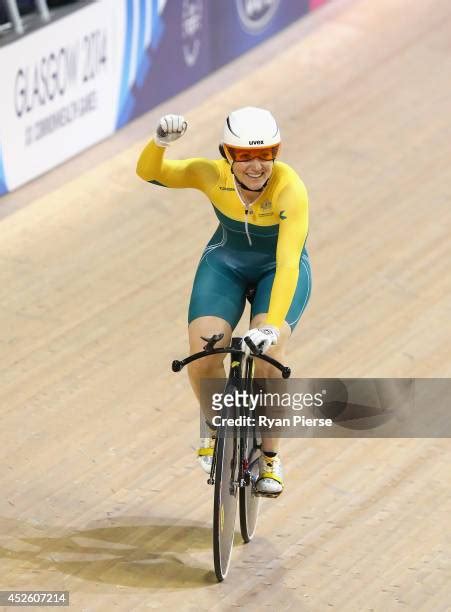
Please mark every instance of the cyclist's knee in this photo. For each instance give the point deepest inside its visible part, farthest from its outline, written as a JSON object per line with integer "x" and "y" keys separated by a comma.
{"x": 263, "y": 369}
{"x": 266, "y": 370}
{"x": 207, "y": 366}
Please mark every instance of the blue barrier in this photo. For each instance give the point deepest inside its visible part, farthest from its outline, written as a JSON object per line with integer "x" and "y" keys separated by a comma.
{"x": 80, "y": 78}
{"x": 200, "y": 37}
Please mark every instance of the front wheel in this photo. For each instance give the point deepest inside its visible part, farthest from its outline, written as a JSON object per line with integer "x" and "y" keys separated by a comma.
{"x": 225, "y": 500}
{"x": 249, "y": 501}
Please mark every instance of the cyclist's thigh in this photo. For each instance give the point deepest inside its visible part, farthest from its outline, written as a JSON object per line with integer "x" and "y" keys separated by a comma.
{"x": 301, "y": 295}
{"x": 217, "y": 291}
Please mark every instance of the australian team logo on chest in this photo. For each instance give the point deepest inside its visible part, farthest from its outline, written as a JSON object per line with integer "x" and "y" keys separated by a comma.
{"x": 265, "y": 209}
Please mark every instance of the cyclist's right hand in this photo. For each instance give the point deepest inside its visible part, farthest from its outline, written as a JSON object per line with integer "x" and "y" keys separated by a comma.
{"x": 170, "y": 128}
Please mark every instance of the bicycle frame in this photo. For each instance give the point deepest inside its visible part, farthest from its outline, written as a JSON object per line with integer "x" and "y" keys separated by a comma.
{"x": 233, "y": 457}
{"x": 235, "y": 374}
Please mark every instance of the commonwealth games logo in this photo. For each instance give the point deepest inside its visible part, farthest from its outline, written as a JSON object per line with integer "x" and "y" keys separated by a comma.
{"x": 192, "y": 21}
{"x": 255, "y": 15}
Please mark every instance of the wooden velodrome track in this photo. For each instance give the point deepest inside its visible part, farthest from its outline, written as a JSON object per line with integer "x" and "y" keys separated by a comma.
{"x": 101, "y": 494}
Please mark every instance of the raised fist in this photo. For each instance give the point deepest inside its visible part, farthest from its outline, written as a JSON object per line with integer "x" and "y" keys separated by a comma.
{"x": 170, "y": 128}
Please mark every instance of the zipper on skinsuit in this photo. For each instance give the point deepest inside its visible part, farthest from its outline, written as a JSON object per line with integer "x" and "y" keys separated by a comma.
{"x": 246, "y": 212}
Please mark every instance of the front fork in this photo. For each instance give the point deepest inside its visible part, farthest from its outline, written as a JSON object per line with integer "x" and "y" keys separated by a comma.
{"x": 236, "y": 380}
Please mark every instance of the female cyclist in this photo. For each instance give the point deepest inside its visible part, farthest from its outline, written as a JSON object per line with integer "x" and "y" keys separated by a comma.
{"x": 262, "y": 208}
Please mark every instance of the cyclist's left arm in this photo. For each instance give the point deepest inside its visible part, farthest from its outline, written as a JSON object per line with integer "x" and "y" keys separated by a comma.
{"x": 292, "y": 205}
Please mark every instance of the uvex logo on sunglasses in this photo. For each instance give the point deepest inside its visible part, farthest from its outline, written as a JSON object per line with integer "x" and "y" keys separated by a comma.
{"x": 256, "y": 142}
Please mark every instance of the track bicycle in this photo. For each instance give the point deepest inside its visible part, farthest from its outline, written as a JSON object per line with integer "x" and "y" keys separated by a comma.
{"x": 234, "y": 471}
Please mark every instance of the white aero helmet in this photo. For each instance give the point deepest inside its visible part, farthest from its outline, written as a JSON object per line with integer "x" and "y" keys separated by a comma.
{"x": 251, "y": 132}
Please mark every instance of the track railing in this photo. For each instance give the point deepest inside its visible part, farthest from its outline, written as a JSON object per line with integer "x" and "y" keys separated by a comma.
{"x": 15, "y": 18}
